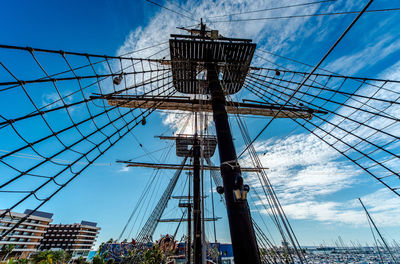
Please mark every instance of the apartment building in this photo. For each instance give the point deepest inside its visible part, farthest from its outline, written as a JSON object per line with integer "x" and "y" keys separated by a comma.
{"x": 27, "y": 237}
{"x": 77, "y": 239}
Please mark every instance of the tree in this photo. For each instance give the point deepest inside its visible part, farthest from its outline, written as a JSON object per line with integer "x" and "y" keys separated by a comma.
{"x": 99, "y": 251}
{"x": 51, "y": 257}
{"x": 61, "y": 257}
{"x": 80, "y": 260}
{"x": 43, "y": 257}
{"x": 110, "y": 261}
{"x": 19, "y": 261}
{"x": 132, "y": 257}
{"x": 98, "y": 259}
{"x": 153, "y": 256}
{"x": 6, "y": 250}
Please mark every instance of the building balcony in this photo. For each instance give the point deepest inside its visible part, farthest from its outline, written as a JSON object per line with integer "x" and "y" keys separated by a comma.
{"x": 25, "y": 236}
{"x": 22, "y": 229}
{"x": 18, "y": 243}
{"x": 89, "y": 231}
{"x": 25, "y": 223}
{"x": 86, "y": 240}
{"x": 24, "y": 250}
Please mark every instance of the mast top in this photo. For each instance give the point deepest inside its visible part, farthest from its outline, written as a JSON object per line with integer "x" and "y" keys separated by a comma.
{"x": 190, "y": 53}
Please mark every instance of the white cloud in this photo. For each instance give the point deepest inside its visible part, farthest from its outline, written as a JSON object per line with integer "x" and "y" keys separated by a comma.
{"x": 52, "y": 100}
{"x": 367, "y": 57}
{"x": 328, "y": 212}
{"x": 303, "y": 169}
{"x": 382, "y": 205}
{"x": 124, "y": 169}
{"x": 275, "y": 34}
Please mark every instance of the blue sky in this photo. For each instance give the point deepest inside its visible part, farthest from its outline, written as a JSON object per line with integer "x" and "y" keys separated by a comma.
{"x": 327, "y": 185}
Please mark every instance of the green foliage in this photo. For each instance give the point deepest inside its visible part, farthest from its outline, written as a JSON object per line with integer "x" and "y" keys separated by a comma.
{"x": 80, "y": 260}
{"x": 61, "y": 256}
{"x": 6, "y": 250}
{"x": 18, "y": 261}
{"x": 100, "y": 248}
{"x": 133, "y": 257}
{"x": 43, "y": 257}
{"x": 153, "y": 256}
{"x": 98, "y": 259}
{"x": 110, "y": 261}
{"x": 51, "y": 257}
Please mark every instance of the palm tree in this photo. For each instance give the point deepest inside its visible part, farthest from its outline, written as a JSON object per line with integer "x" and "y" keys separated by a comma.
{"x": 98, "y": 259}
{"x": 80, "y": 260}
{"x": 11, "y": 261}
{"x": 6, "y": 250}
{"x": 19, "y": 261}
{"x": 51, "y": 257}
{"x": 44, "y": 257}
{"x": 153, "y": 256}
{"x": 61, "y": 257}
{"x": 134, "y": 256}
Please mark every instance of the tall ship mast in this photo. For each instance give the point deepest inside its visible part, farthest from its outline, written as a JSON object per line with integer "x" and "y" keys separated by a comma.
{"x": 65, "y": 112}
{"x": 209, "y": 67}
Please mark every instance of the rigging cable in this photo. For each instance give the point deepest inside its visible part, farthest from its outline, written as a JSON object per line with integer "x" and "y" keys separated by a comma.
{"x": 100, "y": 145}
{"x": 276, "y": 202}
{"x": 273, "y": 8}
{"x": 377, "y": 230}
{"x": 173, "y": 11}
{"x": 258, "y": 94}
{"x": 308, "y": 76}
{"x": 307, "y": 15}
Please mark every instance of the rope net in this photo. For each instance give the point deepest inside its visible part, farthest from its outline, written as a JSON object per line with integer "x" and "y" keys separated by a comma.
{"x": 55, "y": 116}
{"x": 361, "y": 123}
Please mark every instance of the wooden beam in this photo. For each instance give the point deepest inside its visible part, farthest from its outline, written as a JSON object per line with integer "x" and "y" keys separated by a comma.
{"x": 185, "y": 220}
{"x": 186, "y": 197}
{"x": 178, "y": 166}
{"x": 191, "y": 105}
{"x": 185, "y": 136}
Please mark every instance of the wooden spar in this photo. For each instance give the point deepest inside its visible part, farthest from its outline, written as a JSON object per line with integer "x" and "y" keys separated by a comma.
{"x": 185, "y": 220}
{"x": 181, "y": 197}
{"x": 178, "y": 166}
{"x": 190, "y": 105}
{"x": 179, "y": 136}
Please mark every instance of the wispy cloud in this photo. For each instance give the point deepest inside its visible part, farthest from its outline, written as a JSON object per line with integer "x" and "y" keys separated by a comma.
{"x": 124, "y": 169}
{"x": 54, "y": 100}
{"x": 305, "y": 171}
{"x": 372, "y": 54}
{"x": 303, "y": 168}
{"x": 276, "y": 34}
{"x": 383, "y": 207}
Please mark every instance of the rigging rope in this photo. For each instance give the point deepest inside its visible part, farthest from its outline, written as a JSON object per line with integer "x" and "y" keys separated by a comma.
{"x": 98, "y": 127}
{"x": 273, "y": 8}
{"x": 173, "y": 11}
{"x": 310, "y": 74}
{"x": 307, "y": 15}
{"x": 275, "y": 205}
